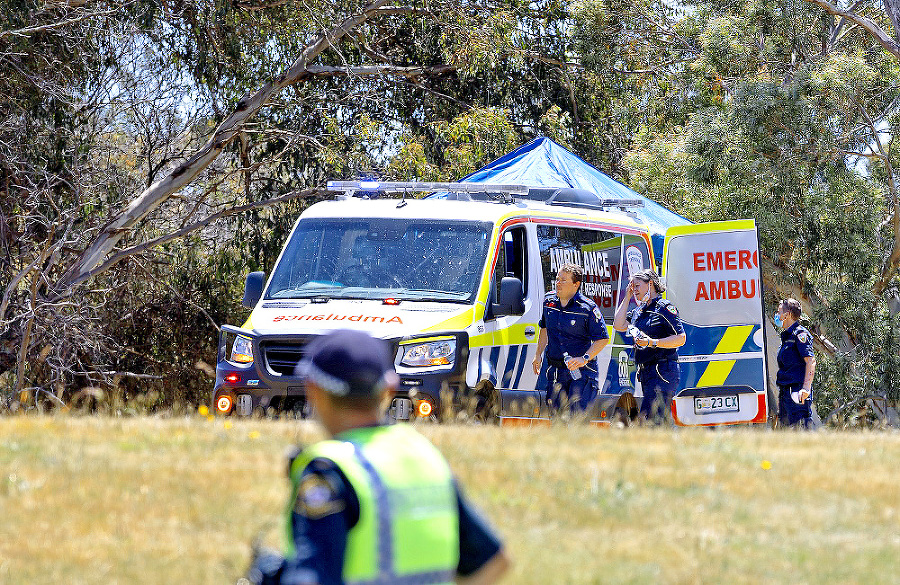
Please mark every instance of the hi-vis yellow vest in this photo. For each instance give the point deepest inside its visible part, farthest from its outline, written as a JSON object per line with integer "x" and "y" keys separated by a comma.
{"x": 408, "y": 528}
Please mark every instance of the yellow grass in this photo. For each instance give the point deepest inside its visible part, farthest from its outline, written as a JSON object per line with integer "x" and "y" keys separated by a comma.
{"x": 154, "y": 500}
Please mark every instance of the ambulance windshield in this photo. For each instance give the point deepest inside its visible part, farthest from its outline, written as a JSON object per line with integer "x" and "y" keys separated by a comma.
{"x": 378, "y": 258}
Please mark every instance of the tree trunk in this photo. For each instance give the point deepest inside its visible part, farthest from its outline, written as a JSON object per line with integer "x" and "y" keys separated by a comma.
{"x": 892, "y": 8}
{"x": 887, "y": 41}
{"x": 160, "y": 191}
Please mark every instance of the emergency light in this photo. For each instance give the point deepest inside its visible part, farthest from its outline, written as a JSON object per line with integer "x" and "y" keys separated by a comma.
{"x": 349, "y": 188}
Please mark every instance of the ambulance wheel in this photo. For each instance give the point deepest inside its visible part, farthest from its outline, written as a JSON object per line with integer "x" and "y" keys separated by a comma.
{"x": 487, "y": 403}
{"x": 620, "y": 417}
{"x": 626, "y": 410}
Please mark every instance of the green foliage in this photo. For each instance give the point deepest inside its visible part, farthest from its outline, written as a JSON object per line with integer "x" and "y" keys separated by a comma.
{"x": 772, "y": 137}
{"x": 718, "y": 110}
{"x": 464, "y": 145}
{"x": 145, "y": 86}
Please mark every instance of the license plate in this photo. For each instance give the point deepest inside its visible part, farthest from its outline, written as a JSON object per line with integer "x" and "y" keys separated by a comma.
{"x": 710, "y": 404}
{"x": 244, "y": 404}
{"x": 401, "y": 408}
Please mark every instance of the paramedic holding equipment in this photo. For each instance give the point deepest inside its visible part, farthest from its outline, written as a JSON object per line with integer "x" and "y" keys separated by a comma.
{"x": 796, "y": 366}
{"x": 375, "y": 502}
{"x": 573, "y": 332}
{"x": 657, "y": 332}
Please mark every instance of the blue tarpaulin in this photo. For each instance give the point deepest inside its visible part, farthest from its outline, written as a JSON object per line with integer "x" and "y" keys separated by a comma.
{"x": 544, "y": 163}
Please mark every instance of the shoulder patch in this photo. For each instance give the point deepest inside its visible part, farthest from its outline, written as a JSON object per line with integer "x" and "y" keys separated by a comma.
{"x": 317, "y": 498}
{"x": 671, "y": 308}
{"x": 802, "y": 336}
{"x": 597, "y": 313}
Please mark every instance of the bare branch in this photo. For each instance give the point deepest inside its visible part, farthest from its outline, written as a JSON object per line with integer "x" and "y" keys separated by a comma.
{"x": 860, "y": 154}
{"x": 180, "y": 296}
{"x": 26, "y": 32}
{"x": 775, "y": 279}
{"x": 884, "y": 39}
{"x": 132, "y": 375}
{"x": 550, "y": 60}
{"x": 47, "y": 250}
{"x": 159, "y": 192}
{"x": 851, "y": 403}
{"x": 892, "y": 263}
{"x": 260, "y": 4}
{"x": 368, "y": 70}
{"x": 143, "y": 247}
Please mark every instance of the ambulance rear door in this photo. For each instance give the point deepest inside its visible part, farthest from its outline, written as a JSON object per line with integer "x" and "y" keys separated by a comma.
{"x": 713, "y": 279}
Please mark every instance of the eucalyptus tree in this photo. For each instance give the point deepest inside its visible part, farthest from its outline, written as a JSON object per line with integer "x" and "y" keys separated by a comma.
{"x": 784, "y": 113}
{"x": 151, "y": 150}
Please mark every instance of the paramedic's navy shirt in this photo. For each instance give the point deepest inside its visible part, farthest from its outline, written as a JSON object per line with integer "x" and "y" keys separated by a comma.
{"x": 573, "y": 328}
{"x": 658, "y": 318}
{"x": 796, "y": 344}
{"x": 320, "y": 529}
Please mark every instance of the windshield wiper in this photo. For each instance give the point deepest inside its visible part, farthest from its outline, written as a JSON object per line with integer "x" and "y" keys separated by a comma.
{"x": 306, "y": 292}
{"x": 416, "y": 294}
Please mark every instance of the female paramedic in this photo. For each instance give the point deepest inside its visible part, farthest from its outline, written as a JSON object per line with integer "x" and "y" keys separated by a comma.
{"x": 657, "y": 332}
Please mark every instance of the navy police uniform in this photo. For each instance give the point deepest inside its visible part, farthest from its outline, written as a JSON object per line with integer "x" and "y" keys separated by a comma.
{"x": 327, "y": 509}
{"x": 570, "y": 329}
{"x": 796, "y": 345}
{"x": 657, "y": 367}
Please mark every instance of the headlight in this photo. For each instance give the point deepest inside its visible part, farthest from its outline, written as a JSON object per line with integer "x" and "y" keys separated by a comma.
{"x": 242, "y": 350}
{"x": 433, "y": 353}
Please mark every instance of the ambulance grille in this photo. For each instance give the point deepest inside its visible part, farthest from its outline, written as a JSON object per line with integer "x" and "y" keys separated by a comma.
{"x": 282, "y": 358}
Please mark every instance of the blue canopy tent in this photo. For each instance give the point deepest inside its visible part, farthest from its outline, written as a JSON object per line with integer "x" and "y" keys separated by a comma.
{"x": 544, "y": 163}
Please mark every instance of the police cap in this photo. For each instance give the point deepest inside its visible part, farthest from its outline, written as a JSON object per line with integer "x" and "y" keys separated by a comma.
{"x": 348, "y": 363}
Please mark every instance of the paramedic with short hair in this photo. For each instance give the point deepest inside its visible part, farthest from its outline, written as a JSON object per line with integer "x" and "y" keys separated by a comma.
{"x": 796, "y": 366}
{"x": 571, "y": 325}
{"x": 657, "y": 332}
{"x": 375, "y": 503}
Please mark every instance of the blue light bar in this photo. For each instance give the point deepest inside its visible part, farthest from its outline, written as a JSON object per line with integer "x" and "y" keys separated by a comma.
{"x": 350, "y": 187}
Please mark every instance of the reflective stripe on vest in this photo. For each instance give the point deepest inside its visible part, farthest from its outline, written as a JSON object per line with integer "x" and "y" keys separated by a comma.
{"x": 407, "y": 499}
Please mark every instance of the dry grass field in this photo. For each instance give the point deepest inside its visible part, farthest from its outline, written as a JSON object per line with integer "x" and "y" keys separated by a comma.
{"x": 179, "y": 500}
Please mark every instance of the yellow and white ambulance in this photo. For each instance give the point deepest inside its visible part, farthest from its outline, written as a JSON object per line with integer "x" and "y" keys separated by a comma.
{"x": 456, "y": 285}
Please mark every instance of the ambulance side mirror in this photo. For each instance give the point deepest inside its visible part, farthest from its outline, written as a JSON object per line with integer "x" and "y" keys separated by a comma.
{"x": 253, "y": 288}
{"x": 510, "y": 299}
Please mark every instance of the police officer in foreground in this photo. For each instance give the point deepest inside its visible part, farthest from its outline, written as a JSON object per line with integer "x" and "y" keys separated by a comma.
{"x": 375, "y": 503}
{"x": 573, "y": 332}
{"x": 657, "y": 332}
{"x": 796, "y": 367}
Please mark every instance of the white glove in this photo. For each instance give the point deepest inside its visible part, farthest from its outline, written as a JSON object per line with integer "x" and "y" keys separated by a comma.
{"x": 795, "y": 396}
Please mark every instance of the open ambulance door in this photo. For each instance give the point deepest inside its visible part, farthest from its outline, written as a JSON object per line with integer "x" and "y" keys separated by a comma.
{"x": 713, "y": 279}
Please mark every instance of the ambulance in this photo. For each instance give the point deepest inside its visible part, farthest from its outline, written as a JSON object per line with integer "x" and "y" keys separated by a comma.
{"x": 454, "y": 282}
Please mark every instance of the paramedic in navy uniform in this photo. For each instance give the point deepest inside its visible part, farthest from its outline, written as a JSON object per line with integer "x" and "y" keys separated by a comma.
{"x": 796, "y": 367}
{"x": 657, "y": 332}
{"x": 570, "y": 324}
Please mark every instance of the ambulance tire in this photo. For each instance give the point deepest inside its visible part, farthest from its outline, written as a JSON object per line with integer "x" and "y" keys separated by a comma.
{"x": 621, "y": 417}
{"x": 487, "y": 403}
{"x": 294, "y": 408}
{"x": 626, "y": 410}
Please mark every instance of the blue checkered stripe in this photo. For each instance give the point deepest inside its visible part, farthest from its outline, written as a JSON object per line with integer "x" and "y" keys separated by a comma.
{"x": 387, "y": 573}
